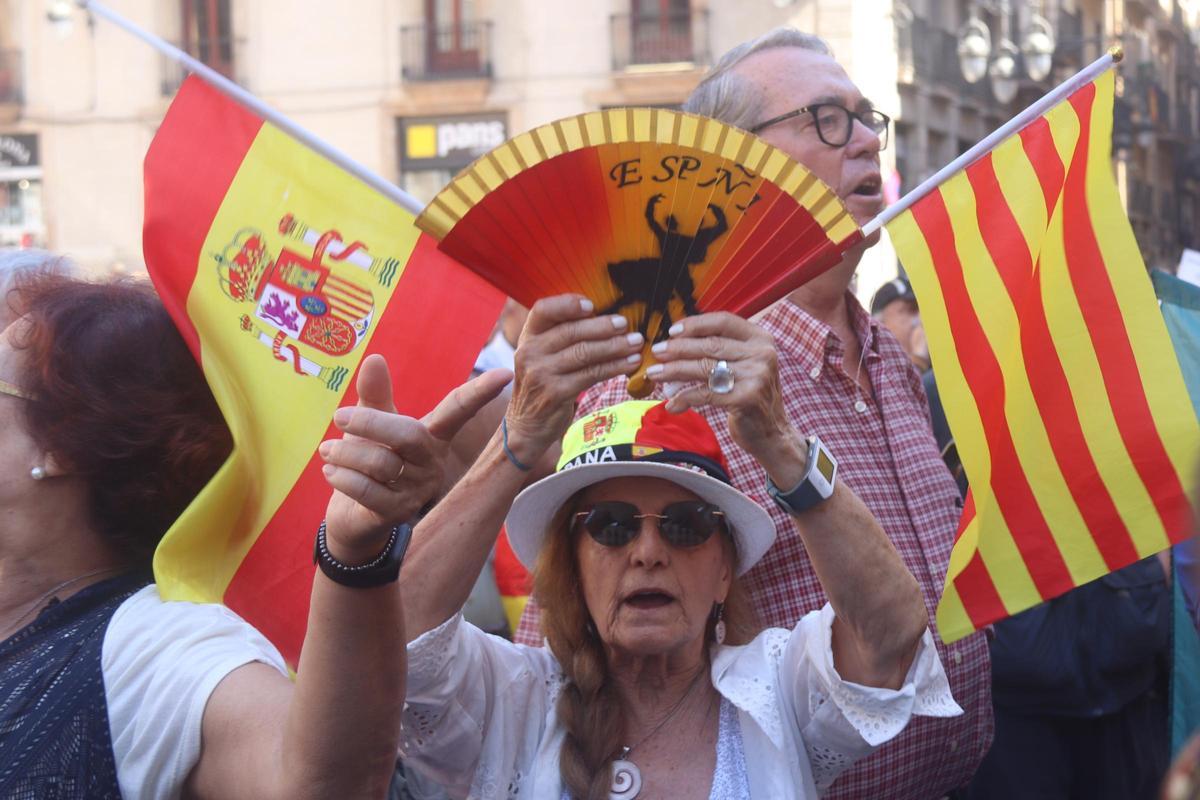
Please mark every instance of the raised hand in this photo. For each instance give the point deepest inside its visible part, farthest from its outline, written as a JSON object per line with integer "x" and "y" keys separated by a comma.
{"x": 563, "y": 351}
{"x": 387, "y": 467}
{"x": 757, "y": 420}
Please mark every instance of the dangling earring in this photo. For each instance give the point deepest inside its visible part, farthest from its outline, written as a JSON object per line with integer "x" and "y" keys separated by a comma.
{"x": 37, "y": 473}
{"x": 719, "y": 628}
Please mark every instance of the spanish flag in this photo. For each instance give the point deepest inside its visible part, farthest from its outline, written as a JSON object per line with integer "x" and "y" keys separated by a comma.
{"x": 282, "y": 272}
{"x": 1058, "y": 377}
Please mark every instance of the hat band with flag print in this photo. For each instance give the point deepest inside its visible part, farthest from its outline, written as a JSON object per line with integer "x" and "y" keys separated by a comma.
{"x": 640, "y": 438}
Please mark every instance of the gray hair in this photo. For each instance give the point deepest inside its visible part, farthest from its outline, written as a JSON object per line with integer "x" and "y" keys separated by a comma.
{"x": 730, "y": 98}
{"x": 16, "y": 264}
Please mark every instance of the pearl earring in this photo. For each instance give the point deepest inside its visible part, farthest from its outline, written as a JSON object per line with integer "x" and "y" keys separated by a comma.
{"x": 37, "y": 473}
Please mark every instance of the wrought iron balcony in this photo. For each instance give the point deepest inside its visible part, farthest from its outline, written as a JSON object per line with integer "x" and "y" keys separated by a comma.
{"x": 441, "y": 52}
{"x": 12, "y": 84}
{"x": 640, "y": 40}
{"x": 928, "y": 56}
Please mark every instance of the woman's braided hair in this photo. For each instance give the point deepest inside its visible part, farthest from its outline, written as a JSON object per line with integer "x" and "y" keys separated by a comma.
{"x": 589, "y": 708}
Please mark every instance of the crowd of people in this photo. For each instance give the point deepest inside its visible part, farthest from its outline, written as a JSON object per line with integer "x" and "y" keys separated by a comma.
{"x": 731, "y": 584}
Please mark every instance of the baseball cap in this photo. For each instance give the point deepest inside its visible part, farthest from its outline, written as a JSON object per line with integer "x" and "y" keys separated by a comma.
{"x": 896, "y": 289}
{"x": 640, "y": 438}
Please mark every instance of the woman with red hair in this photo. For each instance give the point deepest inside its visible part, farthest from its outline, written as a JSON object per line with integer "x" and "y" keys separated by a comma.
{"x": 107, "y": 432}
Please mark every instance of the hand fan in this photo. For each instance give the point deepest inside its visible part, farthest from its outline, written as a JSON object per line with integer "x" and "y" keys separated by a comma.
{"x": 650, "y": 213}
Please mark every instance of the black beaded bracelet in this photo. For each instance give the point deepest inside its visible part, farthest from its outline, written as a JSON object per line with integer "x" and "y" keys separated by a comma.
{"x": 383, "y": 569}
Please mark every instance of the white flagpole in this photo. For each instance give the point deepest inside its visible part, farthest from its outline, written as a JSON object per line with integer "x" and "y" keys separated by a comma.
{"x": 1053, "y": 98}
{"x": 237, "y": 93}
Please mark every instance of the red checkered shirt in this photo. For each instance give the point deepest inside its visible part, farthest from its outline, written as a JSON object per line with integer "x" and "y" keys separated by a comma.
{"x": 886, "y": 453}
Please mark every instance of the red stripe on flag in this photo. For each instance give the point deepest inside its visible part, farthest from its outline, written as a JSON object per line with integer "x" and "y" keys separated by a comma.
{"x": 985, "y": 380}
{"x": 184, "y": 153}
{"x": 1118, "y": 364}
{"x": 1039, "y": 148}
{"x": 1048, "y": 381}
{"x": 272, "y": 585}
{"x": 975, "y": 587}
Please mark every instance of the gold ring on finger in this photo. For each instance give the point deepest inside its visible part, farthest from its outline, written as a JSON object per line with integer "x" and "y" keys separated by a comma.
{"x": 395, "y": 480}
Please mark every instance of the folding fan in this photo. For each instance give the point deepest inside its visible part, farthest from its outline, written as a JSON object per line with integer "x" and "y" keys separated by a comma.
{"x": 650, "y": 213}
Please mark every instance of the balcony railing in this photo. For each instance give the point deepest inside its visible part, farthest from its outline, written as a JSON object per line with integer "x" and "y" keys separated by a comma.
{"x": 928, "y": 56}
{"x": 171, "y": 72}
{"x": 440, "y": 52}
{"x": 12, "y": 85}
{"x": 650, "y": 39}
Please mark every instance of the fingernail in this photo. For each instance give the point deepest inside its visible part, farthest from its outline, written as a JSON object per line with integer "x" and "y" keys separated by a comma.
{"x": 658, "y": 347}
{"x": 586, "y": 305}
{"x": 654, "y": 369}
{"x": 618, "y": 321}
{"x": 634, "y": 338}
{"x": 328, "y": 470}
{"x": 633, "y": 359}
{"x": 324, "y": 449}
{"x": 341, "y": 417}
{"x": 675, "y": 329}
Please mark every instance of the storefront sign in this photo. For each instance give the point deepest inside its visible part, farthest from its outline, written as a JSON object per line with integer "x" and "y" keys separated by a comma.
{"x": 18, "y": 150}
{"x": 449, "y": 142}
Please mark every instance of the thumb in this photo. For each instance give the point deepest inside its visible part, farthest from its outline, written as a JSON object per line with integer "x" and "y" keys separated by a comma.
{"x": 374, "y": 384}
{"x": 465, "y": 402}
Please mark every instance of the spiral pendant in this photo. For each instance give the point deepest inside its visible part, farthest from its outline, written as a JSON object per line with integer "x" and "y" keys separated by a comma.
{"x": 626, "y": 780}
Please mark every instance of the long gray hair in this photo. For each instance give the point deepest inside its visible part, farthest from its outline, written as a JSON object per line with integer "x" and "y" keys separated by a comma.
{"x": 730, "y": 98}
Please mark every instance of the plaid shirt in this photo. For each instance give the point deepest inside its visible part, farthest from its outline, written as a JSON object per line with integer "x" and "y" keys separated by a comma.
{"x": 886, "y": 453}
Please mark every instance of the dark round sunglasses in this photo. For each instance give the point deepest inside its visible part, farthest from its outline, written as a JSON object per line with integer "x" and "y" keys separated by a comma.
{"x": 615, "y": 523}
{"x": 835, "y": 124}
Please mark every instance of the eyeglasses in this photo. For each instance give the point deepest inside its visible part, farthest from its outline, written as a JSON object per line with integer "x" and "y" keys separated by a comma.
{"x": 12, "y": 390}
{"x": 835, "y": 124}
{"x": 615, "y": 523}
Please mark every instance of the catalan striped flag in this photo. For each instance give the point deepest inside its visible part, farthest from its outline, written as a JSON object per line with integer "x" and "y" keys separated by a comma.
{"x": 282, "y": 271}
{"x": 1058, "y": 377}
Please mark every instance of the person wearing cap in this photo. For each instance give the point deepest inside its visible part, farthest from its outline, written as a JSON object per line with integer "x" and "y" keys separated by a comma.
{"x": 656, "y": 680}
{"x": 895, "y": 306}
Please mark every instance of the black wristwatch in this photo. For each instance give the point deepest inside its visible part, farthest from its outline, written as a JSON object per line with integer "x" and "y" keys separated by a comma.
{"x": 816, "y": 485}
{"x": 383, "y": 569}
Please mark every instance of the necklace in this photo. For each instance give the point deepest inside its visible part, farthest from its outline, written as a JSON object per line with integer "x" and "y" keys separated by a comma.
{"x": 37, "y": 603}
{"x": 860, "y": 405}
{"x": 626, "y": 777}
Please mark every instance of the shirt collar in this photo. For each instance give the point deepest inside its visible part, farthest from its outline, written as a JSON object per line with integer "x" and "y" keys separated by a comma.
{"x": 815, "y": 343}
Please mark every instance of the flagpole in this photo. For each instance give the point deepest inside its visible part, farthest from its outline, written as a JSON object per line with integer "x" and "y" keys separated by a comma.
{"x": 1037, "y": 109}
{"x": 240, "y": 95}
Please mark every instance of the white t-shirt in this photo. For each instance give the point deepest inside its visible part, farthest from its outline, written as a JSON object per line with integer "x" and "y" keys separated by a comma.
{"x": 161, "y": 661}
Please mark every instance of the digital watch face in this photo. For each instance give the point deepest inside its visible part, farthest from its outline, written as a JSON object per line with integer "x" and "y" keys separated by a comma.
{"x": 825, "y": 465}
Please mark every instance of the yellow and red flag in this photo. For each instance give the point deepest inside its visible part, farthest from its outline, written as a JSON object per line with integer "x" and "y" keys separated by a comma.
{"x": 1057, "y": 374}
{"x": 282, "y": 271}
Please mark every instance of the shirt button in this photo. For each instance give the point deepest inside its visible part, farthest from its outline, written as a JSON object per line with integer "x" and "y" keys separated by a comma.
{"x": 860, "y": 406}
{"x": 957, "y": 656}
{"x": 953, "y": 746}
{"x": 814, "y": 373}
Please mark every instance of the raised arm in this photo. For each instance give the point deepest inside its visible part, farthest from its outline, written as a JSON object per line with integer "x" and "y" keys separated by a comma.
{"x": 563, "y": 351}
{"x": 335, "y": 731}
{"x": 880, "y": 615}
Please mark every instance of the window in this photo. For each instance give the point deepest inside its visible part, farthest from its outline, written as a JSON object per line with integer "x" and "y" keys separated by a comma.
{"x": 661, "y": 31}
{"x": 452, "y": 38}
{"x": 208, "y": 33}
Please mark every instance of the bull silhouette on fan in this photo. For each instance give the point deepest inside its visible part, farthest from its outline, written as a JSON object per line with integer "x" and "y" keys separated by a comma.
{"x": 654, "y": 281}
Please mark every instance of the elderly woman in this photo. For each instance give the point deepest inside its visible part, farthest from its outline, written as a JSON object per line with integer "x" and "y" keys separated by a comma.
{"x": 107, "y": 432}
{"x": 654, "y": 682}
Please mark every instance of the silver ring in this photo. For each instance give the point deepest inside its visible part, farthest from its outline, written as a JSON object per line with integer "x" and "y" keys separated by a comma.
{"x": 720, "y": 378}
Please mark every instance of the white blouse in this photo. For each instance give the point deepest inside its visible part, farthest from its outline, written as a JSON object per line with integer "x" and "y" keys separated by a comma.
{"x": 480, "y": 716}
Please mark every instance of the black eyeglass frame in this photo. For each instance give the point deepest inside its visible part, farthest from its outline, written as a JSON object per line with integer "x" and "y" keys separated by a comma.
{"x": 853, "y": 116}
{"x": 696, "y": 506}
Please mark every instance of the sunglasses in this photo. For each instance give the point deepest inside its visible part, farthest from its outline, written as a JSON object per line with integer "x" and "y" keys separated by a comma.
{"x": 615, "y": 523}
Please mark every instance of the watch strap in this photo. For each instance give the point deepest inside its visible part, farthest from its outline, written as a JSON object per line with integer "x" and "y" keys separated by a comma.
{"x": 805, "y": 494}
{"x": 381, "y": 570}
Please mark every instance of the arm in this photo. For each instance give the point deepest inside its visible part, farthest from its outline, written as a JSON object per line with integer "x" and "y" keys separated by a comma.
{"x": 335, "y": 732}
{"x": 880, "y": 615}
{"x": 563, "y": 351}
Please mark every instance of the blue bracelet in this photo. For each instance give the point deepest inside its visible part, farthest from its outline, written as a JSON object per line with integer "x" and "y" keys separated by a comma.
{"x": 516, "y": 462}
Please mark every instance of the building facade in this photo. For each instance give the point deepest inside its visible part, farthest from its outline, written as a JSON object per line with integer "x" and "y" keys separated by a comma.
{"x": 416, "y": 89}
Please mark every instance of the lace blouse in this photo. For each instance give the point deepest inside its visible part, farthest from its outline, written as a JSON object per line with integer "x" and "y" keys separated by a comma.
{"x": 480, "y": 714}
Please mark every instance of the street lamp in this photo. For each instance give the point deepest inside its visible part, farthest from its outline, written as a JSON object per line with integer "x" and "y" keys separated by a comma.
{"x": 977, "y": 58}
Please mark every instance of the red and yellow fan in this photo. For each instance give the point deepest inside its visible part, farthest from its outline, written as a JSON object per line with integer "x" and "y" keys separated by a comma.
{"x": 650, "y": 213}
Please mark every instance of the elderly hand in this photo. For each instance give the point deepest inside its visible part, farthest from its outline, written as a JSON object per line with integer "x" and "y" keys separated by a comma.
{"x": 756, "y": 417}
{"x": 387, "y": 467}
{"x": 563, "y": 351}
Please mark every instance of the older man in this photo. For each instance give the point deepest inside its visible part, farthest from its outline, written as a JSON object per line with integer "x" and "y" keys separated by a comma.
{"x": 847, "y": 380}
